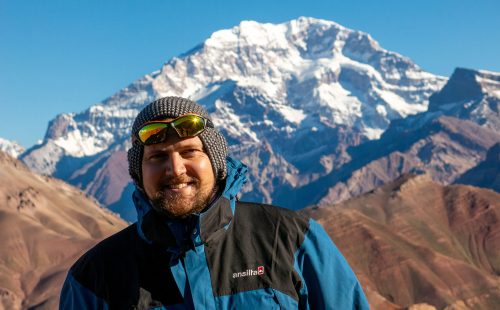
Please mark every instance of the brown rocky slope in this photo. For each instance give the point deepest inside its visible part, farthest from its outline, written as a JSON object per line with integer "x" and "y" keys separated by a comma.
{"x": 45, "y": 225}
{"x": 414, "y": 241}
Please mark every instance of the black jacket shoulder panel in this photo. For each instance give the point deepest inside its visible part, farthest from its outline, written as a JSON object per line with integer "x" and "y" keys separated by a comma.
{"x": 257, "y": 250}
{"x": 122, "y": 268}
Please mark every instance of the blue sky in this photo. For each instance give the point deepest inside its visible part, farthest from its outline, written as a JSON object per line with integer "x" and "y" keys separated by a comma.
{"x": 63, "y": 56}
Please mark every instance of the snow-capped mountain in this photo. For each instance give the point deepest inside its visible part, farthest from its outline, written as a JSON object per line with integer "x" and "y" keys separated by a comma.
{"x": 453, "y": 136}
{"x": 12, "y": 148}
{"x": 470, "y": 94}
{"x": 289, "y": 97}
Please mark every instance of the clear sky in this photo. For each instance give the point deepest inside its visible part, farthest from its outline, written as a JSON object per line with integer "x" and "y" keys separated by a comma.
{"x": 63, "y": 56}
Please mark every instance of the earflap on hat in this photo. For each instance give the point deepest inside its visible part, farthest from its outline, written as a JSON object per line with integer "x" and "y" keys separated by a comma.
{"x": 134, "y": 156}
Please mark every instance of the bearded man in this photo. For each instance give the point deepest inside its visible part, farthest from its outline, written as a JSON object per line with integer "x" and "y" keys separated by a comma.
{"x": 194, "y": 244}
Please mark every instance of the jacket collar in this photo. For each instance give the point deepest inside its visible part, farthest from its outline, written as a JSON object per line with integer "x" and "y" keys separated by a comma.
{"x": 200, "y": 228}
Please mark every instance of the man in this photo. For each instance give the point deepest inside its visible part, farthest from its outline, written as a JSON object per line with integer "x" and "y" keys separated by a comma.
{"x": 194, "y": 245}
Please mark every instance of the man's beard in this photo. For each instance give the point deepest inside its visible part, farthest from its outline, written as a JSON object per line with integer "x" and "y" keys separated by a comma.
{"x": 176, "y": 205}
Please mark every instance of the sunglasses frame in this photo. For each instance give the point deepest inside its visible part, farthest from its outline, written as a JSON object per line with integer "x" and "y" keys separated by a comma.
{"x": 206, "y": 123}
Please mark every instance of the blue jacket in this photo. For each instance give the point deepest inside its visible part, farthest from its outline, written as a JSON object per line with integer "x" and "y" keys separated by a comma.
{"x": 233, "y": 255}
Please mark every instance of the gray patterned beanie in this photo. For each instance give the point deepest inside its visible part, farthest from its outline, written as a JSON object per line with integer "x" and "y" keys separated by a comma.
{"x": 171, "y": 107}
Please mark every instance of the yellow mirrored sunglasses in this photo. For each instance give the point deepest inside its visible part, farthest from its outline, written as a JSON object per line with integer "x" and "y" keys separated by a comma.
{"x": 189, "y": 125}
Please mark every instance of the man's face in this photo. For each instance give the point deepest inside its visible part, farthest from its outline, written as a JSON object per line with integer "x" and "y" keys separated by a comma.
{"x": 177, "y": 176}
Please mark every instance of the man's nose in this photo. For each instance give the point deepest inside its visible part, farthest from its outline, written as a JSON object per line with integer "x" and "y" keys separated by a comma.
{"x": 176, "y": 165}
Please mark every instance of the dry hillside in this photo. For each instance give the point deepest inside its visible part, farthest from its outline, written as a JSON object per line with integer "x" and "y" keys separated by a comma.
{"x": 414, "y": 241}
{"x": 45, "y": 225}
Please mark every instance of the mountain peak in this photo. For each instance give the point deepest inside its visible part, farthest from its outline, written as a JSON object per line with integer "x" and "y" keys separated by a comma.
{"x": 269, "y": 35}
{"x": 466, "y": 84}
{"x": 272, "y": 36}
{"x": 470, "y": 94}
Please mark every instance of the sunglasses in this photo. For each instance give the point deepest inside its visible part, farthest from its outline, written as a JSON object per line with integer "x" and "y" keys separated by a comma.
{"x": 186, "y": 126}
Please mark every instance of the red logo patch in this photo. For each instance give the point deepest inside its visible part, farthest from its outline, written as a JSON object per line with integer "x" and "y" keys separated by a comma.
{"x": 260, "y": 270}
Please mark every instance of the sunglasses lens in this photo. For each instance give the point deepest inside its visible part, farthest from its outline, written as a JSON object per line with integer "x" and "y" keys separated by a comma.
{"x": 189, "y": 125}
{"x": 185, "y": 126}
{"x": 153, "y": 133}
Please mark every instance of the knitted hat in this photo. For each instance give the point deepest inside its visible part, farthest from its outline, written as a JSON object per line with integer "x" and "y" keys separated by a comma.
{"x": 171, "y": 107}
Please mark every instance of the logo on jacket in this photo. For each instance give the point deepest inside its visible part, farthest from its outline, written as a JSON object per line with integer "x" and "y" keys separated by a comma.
{"x": 249, "y": 272}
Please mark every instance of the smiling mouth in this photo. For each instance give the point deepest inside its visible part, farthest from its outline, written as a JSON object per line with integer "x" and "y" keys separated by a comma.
{"x": 177, "y": 185}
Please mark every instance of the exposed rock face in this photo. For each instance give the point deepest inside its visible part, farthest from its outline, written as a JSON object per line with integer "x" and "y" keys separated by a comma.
{"x": 414, "y": 241}
{"x": 45, "y": 226}
{"x": 487, "y": 173}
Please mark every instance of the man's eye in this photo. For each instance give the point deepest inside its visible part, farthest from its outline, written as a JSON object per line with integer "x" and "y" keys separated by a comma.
{"x": 189, "y": 152}
{"x": 156, "y": 156}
